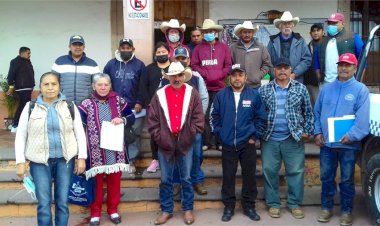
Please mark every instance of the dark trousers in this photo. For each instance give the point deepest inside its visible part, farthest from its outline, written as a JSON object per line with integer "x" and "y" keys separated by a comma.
{"x": 208, "y": 138}
{"x": 24, "y": 97}
{"x": 154, "y": 149}
{"x": 247, "y": 157}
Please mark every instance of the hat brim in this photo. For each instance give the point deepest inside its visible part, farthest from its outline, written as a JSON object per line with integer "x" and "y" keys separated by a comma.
{"x": 240, "y": 27}
{"x": 188, "y": 73}
{"x": 165, "y": 26}
{"x": 217, "y": 28}
{"x": 236, "y": 69}
{"x": 277, "y": 22}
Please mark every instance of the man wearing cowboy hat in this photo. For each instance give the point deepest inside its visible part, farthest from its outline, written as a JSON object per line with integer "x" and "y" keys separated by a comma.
{"x": 344, "y": 96}
{"x": 175, "y": 116}
{"x": 174, "y": 35}
{"x": 288, "y": 44}
{"x": 212, "y": 59}
{"x": 250, "y": 54}
{"x": 238, "y": 118}
{"x": 337, "y": 42}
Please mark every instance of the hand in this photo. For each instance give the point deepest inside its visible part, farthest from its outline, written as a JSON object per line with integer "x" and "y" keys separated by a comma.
{"x": 345, "y": 140}
{"x": 138, "y": 108}
{"x": 305, "y": 137}
{"x": 20, "y": 170}
{"x": 80, "y": 166}
{"x": 293, "y": 76}
{"x": 318, "y": 139}
{"x": 117, "y": 121}
{"x": 251, "y": 141}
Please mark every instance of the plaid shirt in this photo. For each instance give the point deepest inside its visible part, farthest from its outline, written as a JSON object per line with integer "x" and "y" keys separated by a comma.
{"x": 297, "y": 109}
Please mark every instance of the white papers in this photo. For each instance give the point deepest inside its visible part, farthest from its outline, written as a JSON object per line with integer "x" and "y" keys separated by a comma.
{"x": 142, "y": 113}
{"x": 112, "y": 136}
{"x": 339, "y": 126}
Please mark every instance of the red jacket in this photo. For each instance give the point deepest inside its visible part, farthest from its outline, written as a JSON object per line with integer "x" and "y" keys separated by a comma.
{"x": 159, "y": 121}
{"x": 213, "y": 62}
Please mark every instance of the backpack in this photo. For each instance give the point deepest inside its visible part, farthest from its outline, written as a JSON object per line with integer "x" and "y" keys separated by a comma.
{"x": 70, "y": 106}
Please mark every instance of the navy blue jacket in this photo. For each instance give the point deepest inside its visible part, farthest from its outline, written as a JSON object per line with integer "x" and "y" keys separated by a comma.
{"x": 125, "y": 78}
{"x": 234, "y": 129}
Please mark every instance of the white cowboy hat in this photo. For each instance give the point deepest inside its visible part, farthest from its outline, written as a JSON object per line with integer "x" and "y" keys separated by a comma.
{"x": 245, "y": 25}
{"x": 286, "y": 17}
{"x": 209, "y": 24}
{"x": 176, "y": 68}
{"x": 173, "y": 23}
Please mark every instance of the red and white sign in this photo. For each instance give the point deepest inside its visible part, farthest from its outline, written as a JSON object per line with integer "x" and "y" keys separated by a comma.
{"x": 138, "y": 9}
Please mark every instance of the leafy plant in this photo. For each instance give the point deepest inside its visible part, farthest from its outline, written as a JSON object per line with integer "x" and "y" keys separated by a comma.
{"x": 9, "y": 101}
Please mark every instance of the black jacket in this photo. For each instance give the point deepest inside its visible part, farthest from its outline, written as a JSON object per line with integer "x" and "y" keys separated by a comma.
{"x": 21, "y": 73}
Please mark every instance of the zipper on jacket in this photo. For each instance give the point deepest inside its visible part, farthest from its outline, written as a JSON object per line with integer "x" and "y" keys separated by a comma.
{"x": 235, "y": 127}
{"x": 75, "y": 82}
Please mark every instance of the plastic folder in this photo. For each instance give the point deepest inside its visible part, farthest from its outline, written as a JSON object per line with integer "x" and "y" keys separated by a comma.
{"x": 339, "y": 126}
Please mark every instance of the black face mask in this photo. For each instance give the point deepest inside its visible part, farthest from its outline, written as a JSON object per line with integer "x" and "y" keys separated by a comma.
{"x": 126, "y": 55}
{"x": 162, "y": 59}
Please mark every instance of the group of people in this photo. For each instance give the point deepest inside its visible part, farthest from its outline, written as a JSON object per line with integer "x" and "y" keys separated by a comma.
{"x": 190, "y": 109}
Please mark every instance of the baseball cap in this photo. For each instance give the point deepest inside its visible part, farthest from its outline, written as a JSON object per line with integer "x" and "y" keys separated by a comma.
{"x": 126, "y": 41}
{"x": 317, "y": 26}
{"x": 237, "y": 67}
{"x": 76, "y": 39}
{"x": 283, "y": 61}
{"x": 180, "y": 51}
{"x": 335, "y": 17}
{"x": 348, "y": 58}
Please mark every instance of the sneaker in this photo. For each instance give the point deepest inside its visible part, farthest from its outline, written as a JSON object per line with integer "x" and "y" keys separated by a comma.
{"x": 205, "y": 148}
{"x": 297, "y": 213}
{"x": 13, "y": 129}
{"x": 324, "y": 216}
{"x": 346, "y": 219}
{"x": 274, "y": 212}
{"x": 153, "y": 167}
{"x": 132, "y": 168}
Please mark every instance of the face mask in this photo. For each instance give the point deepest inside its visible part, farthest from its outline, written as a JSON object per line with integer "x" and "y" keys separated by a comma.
{"x": 29, "y": 186}
{"x": 126, "y": 55}
{"x": 209, "y": 37}
{"x": 173, "y": 38}
{"x": 332, "y": 30}
{"x": 162, "y": 59}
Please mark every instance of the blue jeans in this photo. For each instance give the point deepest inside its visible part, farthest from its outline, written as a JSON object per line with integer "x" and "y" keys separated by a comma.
{"x": 197, "y": 175}
{"x": 293, "y": 155}
{"x": 184, "y": 164}
{"x": 43, "y": 176}
{"x": 329, "y": 159}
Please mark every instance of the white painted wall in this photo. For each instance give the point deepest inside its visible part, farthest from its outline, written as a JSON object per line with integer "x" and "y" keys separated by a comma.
{"x": 250, "y": 9}
{"x": 45, "y": 27}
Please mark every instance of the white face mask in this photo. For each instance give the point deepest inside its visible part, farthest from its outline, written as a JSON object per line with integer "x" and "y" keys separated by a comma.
{"x": 173, "y": 38}
{"x": 30, "y": 187}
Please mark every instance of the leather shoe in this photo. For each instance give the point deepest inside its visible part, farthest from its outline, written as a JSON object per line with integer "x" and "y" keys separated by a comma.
{"x": 94, "y": 223}
{"x": 227, "y": 214}
{"x": 188, "y": 217}
{"x": 200, "y": 189}
{"x": 163, "y": 218}
{"x": 251, "y": 213}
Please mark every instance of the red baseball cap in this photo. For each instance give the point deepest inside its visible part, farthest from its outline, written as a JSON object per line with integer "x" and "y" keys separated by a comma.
{"x": 348, "y": 58}
{"x": 335, "y": 17}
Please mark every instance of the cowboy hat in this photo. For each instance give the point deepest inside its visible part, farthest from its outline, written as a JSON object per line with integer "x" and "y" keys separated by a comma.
{"x": 173, "y": 23}
{"x": 246, "y": 25}
{"x": 176, "y": 68}
{"x": 286, "y": 17}
{"x": 209, "y": 24}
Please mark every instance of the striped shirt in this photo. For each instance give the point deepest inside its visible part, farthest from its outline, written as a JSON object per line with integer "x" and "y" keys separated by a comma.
{"x": 281, "y": 130}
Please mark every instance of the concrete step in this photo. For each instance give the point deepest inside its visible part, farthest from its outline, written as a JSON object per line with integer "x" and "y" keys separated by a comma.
{"x": 14, "y": 203}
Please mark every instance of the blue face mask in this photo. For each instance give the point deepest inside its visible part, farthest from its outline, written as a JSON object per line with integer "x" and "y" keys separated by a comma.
{"x": 29, "y": 186}
{"x": 209, "y": 37}
{"x": 332, "y": 30}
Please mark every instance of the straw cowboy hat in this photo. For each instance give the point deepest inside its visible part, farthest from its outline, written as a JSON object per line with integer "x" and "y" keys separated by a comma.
{"x": 173, "y": 23}
{"x": 245, "y": 25}
{"x": 209, "y": 24}
{"x": 176, "y": 68}
{"x": 286, "y": 17}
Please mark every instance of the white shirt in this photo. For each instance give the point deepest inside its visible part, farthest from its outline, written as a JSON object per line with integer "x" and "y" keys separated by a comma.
{"x": 237, "y": 98}
{"x": 331, "y": 58}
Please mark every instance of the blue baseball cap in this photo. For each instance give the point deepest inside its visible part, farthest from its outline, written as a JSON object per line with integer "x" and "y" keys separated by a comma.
{"x": 283, "y": 61}
{"x": 76, "y": 39}
{"x": 180, "y": 51}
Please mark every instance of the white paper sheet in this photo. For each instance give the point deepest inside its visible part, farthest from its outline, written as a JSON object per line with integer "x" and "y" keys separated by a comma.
{"x": 112, "y": 136}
